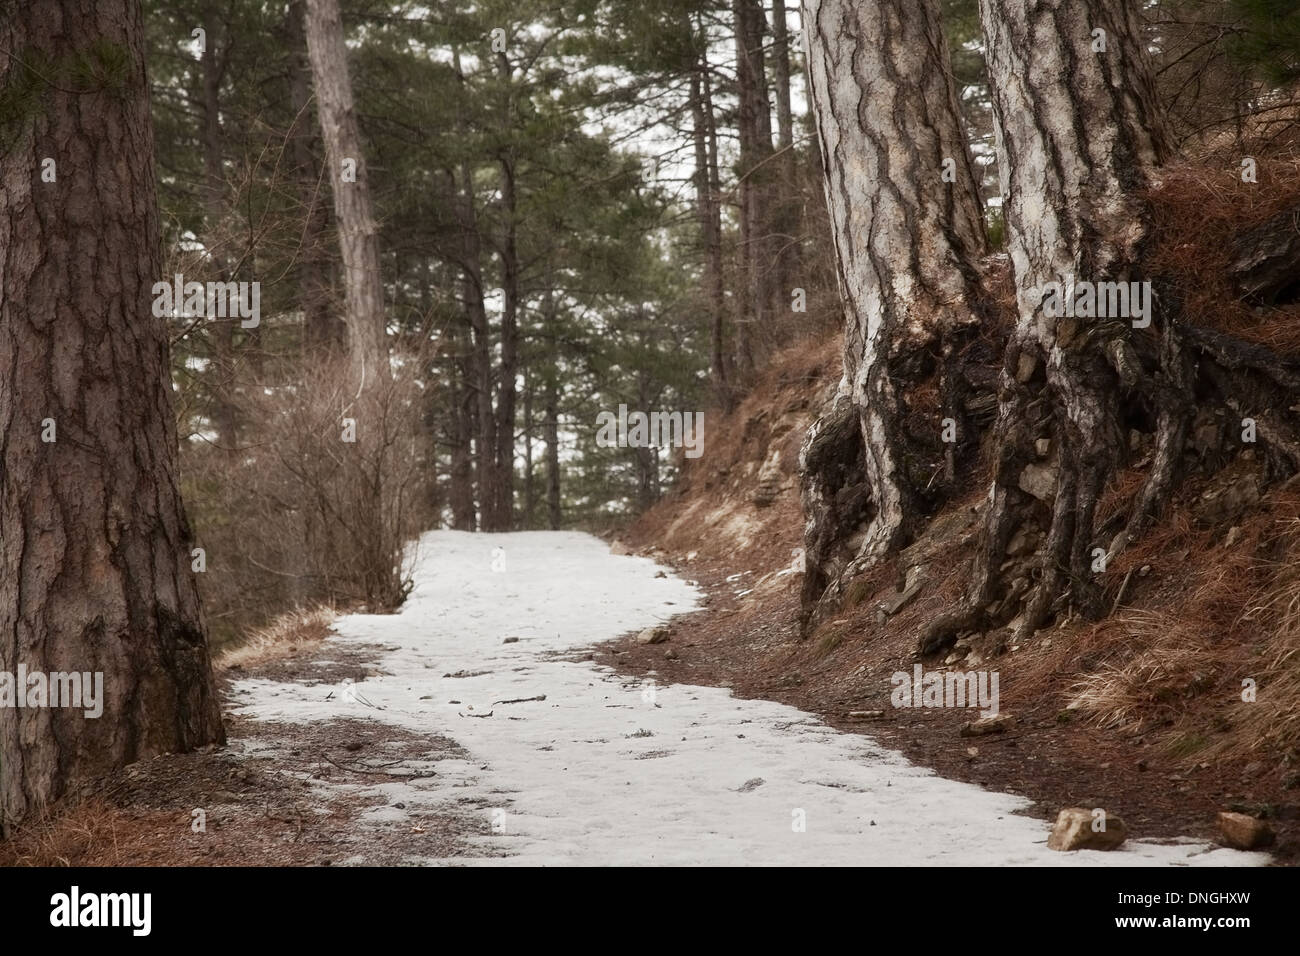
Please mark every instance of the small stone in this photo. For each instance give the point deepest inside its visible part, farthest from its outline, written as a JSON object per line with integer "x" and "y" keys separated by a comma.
{"x": 653, "y": 635}
{"x": 511, "y": 640}
{"x": 1026, "y": 364}
{"x": 1039, "y": 480}
{"x": 1076, "y": 828}
{"x": 1242, "y": 832}
{"x": 1043, "y": 447}
{"x": 670, "y": 654}
{"x": 996, "y": 724}
{"x": 660, "y": 574}
{"x": 619, "y": 549}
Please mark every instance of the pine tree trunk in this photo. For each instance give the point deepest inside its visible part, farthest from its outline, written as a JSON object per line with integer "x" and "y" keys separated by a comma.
{"x": 530, "y": 489}
{"x": 786, "y": 199}
{"x": 321, "y": 330}
{"x": 222, "y": 330}
{"x": 358, "y": 232}
{"x": 551, "y": 432}
{"x": 94, "y": 544}
{"x": 1079, "y": 133}
{"x": 709, "y": 216}
{"x": 462, "y": 431}
{"x": 754, "y": 131}
{"x": 906, "y": 244}
{"x": 506, "y": 386}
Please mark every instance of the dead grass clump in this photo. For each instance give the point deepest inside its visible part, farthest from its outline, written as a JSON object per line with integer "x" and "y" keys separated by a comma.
{"x": 89, "y": 833}
{"x": 1196, "y": 211}
{"x": 1212, "y": 615}
{"x": 284, "y": 635}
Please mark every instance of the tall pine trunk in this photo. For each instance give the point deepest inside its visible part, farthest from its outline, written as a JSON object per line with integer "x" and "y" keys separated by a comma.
{"x": 358, "y": 232}
{"x": 1079, "y": 133}
{"x": 754, "y": 131}
{"x": 322, "y": 331}
{"x": 94, "y": 544}
{"x": 907, "y": 229}
{"x": 222, "y": 334}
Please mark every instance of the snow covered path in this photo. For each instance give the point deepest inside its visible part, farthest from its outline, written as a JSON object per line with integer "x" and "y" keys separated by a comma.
{"x": 611, "y": 771}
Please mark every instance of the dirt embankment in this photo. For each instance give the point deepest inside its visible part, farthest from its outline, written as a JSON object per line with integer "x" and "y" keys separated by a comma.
{"x": 1148, "y": 713}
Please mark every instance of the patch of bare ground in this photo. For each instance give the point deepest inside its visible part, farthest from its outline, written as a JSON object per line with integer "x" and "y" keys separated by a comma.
{"x": 278, "y": 794}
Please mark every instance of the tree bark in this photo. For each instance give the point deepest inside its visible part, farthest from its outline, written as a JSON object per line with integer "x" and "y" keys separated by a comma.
{"x": 461, "y": 372}
{"x": 1079, "y": 133}
{"x": 786, "y": 199}
{"x": 358, "y": 232}
{"x": 709, "y": 217}
{"x": 906, "y": 245}
{"x": 94, "y": 544}
{"x": 507, "y": 389}
{"x": 754, "y": 130}
{"x": 222, "y": 330}
{"x": 322, "y": 331}
{"x": 551, "y": 432}
{"x": 530, "y": 487}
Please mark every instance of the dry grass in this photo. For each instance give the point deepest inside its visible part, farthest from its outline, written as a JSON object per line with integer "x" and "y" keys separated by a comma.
{"x": 1173, "y": 660}
{"x": 283, "y": 636}
{"x": 1196, "y": 210}
{"x": 91, "y": 833}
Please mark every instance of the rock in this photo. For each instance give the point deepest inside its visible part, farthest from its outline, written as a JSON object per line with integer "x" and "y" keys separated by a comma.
{"x": 511, "y": 640}
{"x": 619, "y": 549}
{"x": 1042, "y": 447}
{"x": 866, "y": 714}
{"x": 1228, "y": 502}
{"x": 692, "y": 556}
{"x": 653, "y": 635}
{"x": 1021, "y": 543}
{"x": 1073, "y": 830}
{"x": 901, "y": 600}
{"x": 1026, "y": 365}
{"x": 670, "y": 654}
{"x": 954, "y": 657}
{"x": 770, "y": 481}
{"x": 1242, "y": 832}
{"x": 660, "y": 574}
{"x": 1039, "y": 480}
{"x": 996, "y": 724}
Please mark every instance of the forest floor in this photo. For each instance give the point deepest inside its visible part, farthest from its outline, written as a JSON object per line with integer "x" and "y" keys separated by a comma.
{"x": 481, "y": 725}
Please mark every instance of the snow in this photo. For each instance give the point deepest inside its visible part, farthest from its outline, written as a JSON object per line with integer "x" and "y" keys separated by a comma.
{"x": 607, "y": 770}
